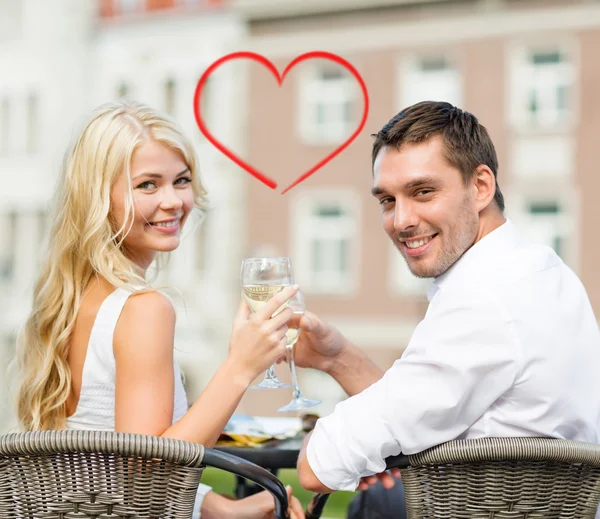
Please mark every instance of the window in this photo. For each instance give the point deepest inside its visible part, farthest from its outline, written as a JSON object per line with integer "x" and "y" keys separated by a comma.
{"x": 19, "y": 121}
{"x": 7, "y": 245}
{"x": 4, "y": 126}
{"x": 543, "y": 157}
{"x": 326, "y": 249}
{"x": 327, "y": 105}
{"x": 429, "y": 78}
{"x": 404, "y": 282}
{"x": 170, "y": 97}
{"x": 547, "y": 224}
{"x": 542, "y": 88}
{"x": 43, "y": 230}
{"x": 32, "y": 123}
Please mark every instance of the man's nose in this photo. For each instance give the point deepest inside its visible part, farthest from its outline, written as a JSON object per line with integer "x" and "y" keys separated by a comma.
{"x": 404, "y": 217}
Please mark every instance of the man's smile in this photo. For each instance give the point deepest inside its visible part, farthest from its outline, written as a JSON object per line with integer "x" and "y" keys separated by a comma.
{"x": 419, "y": 245}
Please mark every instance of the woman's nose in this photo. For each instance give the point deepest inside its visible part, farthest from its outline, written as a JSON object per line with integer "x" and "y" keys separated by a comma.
{"x": 171, "y": 200}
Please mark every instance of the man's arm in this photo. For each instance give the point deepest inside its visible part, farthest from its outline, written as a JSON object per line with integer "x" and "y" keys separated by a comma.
{"x": 311, "y": 482}
{"x": 460, "y": 361}
{"x": 307, "y": 477}
{"x": 353, "y": 370}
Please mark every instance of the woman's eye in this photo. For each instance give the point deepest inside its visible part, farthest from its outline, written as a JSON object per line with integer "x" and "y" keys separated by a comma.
{"x": 186, "y": 180}
{"x": 146, "y": 185}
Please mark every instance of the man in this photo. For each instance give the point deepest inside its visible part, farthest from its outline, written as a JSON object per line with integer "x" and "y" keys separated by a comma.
{"x": 509, "y": 345}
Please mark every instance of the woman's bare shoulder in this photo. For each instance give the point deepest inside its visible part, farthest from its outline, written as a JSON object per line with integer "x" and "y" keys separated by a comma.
{"x": 147, "y": 321}
{"x": 152, "y": 303}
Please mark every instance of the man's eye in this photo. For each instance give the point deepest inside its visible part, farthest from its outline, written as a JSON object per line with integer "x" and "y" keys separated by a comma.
{"x": 386, "y": 200}
{"x": 423, "y": 192}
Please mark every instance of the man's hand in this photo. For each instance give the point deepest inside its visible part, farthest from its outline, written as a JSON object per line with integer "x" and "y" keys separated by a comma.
{"x": 321, "y": 346}
{"x": 320, "y": 343}
{"x": 386, "y": 478}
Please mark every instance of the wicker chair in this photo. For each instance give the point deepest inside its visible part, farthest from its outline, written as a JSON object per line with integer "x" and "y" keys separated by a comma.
{"x": 95, "y": 474}
{"x": 498, "y": 478}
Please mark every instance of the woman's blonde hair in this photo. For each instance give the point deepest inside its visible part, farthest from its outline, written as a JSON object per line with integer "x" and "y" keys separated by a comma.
{"x": 84, "y": 242}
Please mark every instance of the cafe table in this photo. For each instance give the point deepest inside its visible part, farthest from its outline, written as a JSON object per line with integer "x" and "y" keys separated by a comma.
{"x": 275, "y": 455}
{"x": 272, "y": 455}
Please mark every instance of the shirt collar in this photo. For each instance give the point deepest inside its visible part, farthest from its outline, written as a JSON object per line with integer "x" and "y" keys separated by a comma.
{"x": 477, "y": 258}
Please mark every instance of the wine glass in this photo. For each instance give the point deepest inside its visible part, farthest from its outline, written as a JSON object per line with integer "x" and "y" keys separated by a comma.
{"x": 298, "y": 402}
{"x": 261, "y": 279}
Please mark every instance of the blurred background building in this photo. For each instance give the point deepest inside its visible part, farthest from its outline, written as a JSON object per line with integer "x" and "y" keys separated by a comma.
{"x": 527, "y": 69}
{"x": 60, "y": 59}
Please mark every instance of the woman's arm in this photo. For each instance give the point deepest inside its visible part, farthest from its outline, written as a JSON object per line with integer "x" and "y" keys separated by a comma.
{"x": 143, "y": 346}
{"x": 257, "y": 506}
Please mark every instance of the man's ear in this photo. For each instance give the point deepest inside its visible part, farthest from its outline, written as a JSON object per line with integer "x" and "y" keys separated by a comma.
{"x": 484, "y": 183}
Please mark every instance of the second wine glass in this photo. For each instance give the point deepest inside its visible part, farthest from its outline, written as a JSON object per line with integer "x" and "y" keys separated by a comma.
{"x": 298, "y": 402}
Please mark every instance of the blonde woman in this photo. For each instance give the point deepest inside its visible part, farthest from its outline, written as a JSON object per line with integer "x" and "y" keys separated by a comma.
{"x": 97, "y": 349}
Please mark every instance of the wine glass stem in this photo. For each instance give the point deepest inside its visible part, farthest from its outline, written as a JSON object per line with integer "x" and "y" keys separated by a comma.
{"x": 270, "y": 374}
{"x": 292, "y": 364}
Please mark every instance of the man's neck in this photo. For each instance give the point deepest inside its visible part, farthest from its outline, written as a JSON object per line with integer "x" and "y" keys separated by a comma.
{"x": 489, "y": 220}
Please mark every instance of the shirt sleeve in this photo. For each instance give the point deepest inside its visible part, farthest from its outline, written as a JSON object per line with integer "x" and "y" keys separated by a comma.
{"x": 461, "y": 358}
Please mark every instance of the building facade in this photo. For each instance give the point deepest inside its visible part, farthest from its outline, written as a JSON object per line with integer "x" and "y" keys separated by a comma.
{"x": 525, "y": 68}
{"x": 93, "y": 52}
{"x": 42, "y": 92}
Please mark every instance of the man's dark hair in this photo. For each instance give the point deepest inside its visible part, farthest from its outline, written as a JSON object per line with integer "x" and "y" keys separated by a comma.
{"x": 467, "y": 142}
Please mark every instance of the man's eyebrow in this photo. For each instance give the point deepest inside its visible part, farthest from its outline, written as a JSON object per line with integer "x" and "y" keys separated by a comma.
{"x": 420, "y": 182}
{"x": 378, "y": 191}
{"x": 158, "y": 175}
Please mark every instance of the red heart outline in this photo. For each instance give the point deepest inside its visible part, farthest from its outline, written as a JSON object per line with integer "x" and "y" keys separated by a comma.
{"x": 264, "y": 61}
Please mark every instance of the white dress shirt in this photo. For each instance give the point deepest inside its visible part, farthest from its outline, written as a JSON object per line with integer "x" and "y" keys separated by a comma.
{"x": 509, "y": 347}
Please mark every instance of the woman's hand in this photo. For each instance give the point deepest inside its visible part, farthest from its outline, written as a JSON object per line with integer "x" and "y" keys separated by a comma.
{"x": 262, "y": 506}
{"x": 257, "y": 506}
{"x": 258, "y": 339}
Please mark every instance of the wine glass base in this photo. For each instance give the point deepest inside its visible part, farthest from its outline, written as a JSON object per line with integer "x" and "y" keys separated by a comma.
{"x": 298, "y": 404}
{"x": 271, "y": 384}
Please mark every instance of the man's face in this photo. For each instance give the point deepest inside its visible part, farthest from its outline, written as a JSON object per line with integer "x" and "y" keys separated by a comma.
{"x": 426, "y": 210}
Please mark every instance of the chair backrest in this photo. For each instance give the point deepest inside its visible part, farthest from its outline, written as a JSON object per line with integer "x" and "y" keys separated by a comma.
{"x": 502, "y": 478}
{"x": 65, "y": 474}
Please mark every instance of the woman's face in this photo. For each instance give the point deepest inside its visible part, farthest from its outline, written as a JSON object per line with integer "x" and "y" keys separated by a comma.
{"x": 162, "y": 197}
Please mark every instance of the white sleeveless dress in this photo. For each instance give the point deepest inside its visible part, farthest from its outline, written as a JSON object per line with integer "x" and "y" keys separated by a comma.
{"x": 96, "y": 406}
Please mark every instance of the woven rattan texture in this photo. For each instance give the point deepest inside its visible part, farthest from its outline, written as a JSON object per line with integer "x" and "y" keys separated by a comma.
{"x": 89, "y": 474}
{"x": 520, "y": 478}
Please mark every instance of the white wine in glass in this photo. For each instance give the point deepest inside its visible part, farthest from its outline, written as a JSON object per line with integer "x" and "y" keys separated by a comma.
{"x": 257, "y": 296}
{"x": 261, "y": 279}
